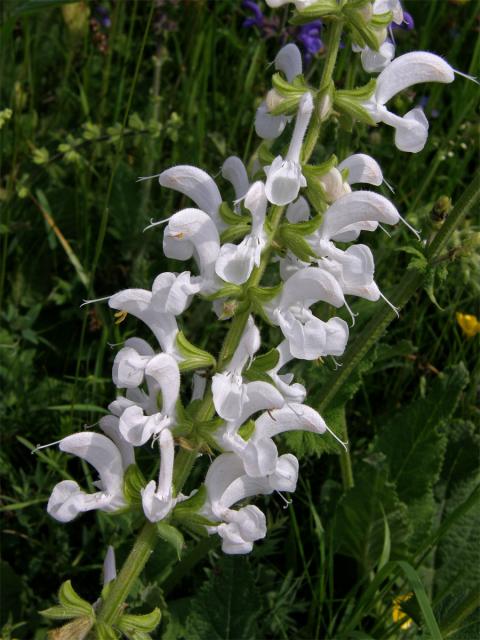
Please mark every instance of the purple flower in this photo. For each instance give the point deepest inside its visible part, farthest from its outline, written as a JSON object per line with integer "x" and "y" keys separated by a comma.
{"x": 103, "y": 16}
{"x": 257, "y": 19}
{"x": 408, "y": 23}
{"x": 308, "y": 36}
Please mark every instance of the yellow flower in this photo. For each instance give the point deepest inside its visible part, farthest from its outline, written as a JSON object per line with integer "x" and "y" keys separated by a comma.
{"x": 397, "y": 613}
{"x": 469, "y": 324}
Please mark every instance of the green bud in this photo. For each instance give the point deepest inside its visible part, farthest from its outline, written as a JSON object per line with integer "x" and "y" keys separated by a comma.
{"x": 40, "y": 155}
{"x": 135, "y": 122}
{"x": 440, "y": 210}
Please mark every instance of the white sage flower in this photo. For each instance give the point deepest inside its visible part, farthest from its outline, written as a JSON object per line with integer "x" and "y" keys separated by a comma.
{"x": 289, "y": 61}
{"x": 136, "y": 427}
{"x": 235, "y": 263}
{"x": 234, "y": 171}
{"x": 197, "y": 185}
{"x": 234, "y": 399}
{"x": 68, "y": 499}
{"x": 411, "y": 130}
{"x": 157, "y": 499}
{"x": 309, "y": 337}
{"x": 285, "y": 177}
{"x": 191, "y": 232}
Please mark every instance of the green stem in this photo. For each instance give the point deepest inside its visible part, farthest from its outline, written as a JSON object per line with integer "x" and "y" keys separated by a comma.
{"x": 133, "y": 566}
{"x": 332, "y": 45}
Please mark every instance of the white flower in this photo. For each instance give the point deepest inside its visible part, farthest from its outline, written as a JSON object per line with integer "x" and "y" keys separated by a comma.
{"x": 197, "y": 185}
{"x": 298, "y": 211}
{"x": 234, "y": 171}
{"x": 259, "y": 454}
{"x": 136, "y": 427}
{"x": 283, "y": 381}
{"x": 309, "y": 337}
{"x": 300, "y": 5}
{"x": 227, "y": 483}
{"x": 68, "y": 500}
{"x": 235, "y": 263}
{"x": 235, "y": 400}
{"x": 411, "y": 130}
{"x": 284, "y": 177}
{"x": 191, "y": 232}
{"x": 147, "y": 306}
{"x": 158, "y": 500}
{"x": 289, "y": 61}
{"x": 362, "y": 169}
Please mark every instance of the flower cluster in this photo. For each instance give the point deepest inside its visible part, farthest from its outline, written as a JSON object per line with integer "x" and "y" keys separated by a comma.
{"x": 302, "y": 219}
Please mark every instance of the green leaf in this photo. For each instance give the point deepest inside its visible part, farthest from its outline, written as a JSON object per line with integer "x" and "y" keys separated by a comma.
{"x": 172, "y": 535}
{"x": 361, "y": 514}
{"x": 414, "y": 444}
{"x": 194, "y": 357}
{"x": 226, "y": 605}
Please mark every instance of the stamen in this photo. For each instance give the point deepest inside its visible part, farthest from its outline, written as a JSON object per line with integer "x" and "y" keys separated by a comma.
{"x": 467, "y": 76}
{"x": 338, "y": 365}
{"x": 287, "y": 502}
{"x": 112, "y": 345}
{"x": 155, "y": 224}
{"x": 148, "y": 177}
{"x": 95, "y": 300}
{"x": 389, "y": 186}
{"x": 344, "y": 444}
{"x": 352, "y": 315}
{"x": 393, "y": 307}
{"x": 385, "y": 230}
{"x": 44, "y": 446}
{"x": 120, "y": 316}
{"x": 412, "y": 229}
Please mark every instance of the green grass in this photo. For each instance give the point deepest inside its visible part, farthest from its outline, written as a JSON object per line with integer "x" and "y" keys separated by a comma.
{"x": 71, "y": 228}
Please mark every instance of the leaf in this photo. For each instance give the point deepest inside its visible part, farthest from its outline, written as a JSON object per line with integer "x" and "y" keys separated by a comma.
{"x": 226, "y": 606}
{"x": 171, "y": 535}
{"x": 361, "y": 514}
{"x": 414, "y": 445}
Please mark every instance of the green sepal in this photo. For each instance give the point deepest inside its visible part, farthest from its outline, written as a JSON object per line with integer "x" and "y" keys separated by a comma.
{"x": 228, "y": 291}
{"x": 247, "y": 429}
{"x": 381, "y": 20}
{"x": 227, "y": 215}
{"x": 254, "y": 375}
{"x": 265, "y": 156}
{"x": 267, "y": 361}
{"x": 71, "y": 605}
{"x": 308, "y": 227}
{"x": 320, "y": 9}
{"x": 296, "y": 243}
{"x": 133, "y": 483}
{"x": 265, "y": 294}
{"x": 350, "y": 102}
{"x": 194, "y": 357}
{"x": 286, "y": 89}
{"x": 130, "y": 623}
{"x": 362, "y": 33}
{"x": 316, "y": 195}
{"x": 185, "y": 422}
{"x": 192, "y": 505}
{"x": 172, "y": 535}
{"x": 104, "y": 631}
{"x": 319, "y": 170}
{"x": 235, "y": 232}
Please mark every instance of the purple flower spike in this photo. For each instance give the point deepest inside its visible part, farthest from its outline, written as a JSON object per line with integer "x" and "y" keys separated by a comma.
{"x": 257, "y": 19}
{"x": 309, "y": 38}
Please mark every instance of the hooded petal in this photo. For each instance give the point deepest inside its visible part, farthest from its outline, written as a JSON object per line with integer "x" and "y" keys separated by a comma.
{"x": 128, "y": 368}
{"x": 375, "y": 61}
{"x": 234, "y": 171}
{"x": 311, "y": 285}
{"x": 226, "y": 468}
{"x": 137, "y": 428}
{"x": 102, "y": 454}
{"x": 412, "y": 132}
{"x": 284, "y": 181}
{"x": 235, "y": 263}
{"x": 228, "y": 395}
{"x": 173, "y": 295}
{"x": 157, "y": 503}
{"x": 260, "y": 457}
{"x": 410, "y": 69}
{"x": 68, "y": 500}
{"x": 357, "y": 207}
{"x": 110, "y": 426}
{"x": 164, "y": 370}
{"x": 247, "y": 347}
{"x": 267, "y": 126}
{"x": 298, "y": 211}
{"x": 289, "y": 61}
{"x": 196, "y": 185}
{"x": 291, "y": 417}
{"x": 362, "y": 168}
{"x": 285, "y": 475}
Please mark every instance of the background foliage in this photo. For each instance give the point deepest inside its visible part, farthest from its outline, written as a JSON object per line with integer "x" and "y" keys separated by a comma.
{"x": 117, "y": 90}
